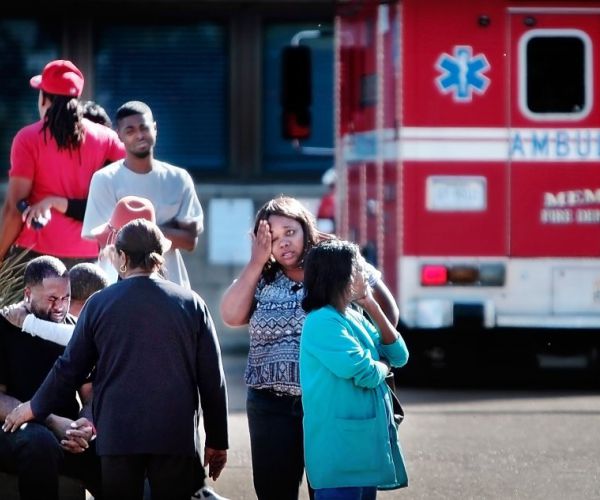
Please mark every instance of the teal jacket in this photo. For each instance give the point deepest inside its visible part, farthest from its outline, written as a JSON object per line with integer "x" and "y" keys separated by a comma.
{"x": 349, "y": 435}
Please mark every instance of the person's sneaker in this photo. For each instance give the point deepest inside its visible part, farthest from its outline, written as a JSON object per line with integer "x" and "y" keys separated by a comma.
{"x": 207, "y": 493}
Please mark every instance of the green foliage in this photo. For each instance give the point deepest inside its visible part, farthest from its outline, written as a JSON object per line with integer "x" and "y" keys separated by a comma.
{"x": 11, "y": 278}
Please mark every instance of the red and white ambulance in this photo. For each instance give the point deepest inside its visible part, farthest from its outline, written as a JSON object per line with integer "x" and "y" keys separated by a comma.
{"x": 468, "y": 157}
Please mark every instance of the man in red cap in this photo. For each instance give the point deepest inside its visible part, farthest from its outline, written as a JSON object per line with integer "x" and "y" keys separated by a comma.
{"x": 53, "y": 160}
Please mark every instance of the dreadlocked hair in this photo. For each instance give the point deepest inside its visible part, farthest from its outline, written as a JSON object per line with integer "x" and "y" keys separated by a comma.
{"x": 63, "y": 121}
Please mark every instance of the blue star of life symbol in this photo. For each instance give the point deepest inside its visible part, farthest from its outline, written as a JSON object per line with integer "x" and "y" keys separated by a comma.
{"x": 462, "y": 74}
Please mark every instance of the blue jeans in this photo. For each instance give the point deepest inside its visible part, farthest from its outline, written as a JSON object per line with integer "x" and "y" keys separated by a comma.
{"x": 276, "y": 443}
{"x": 35, "y": 456}
{"x": 349, "y": 493}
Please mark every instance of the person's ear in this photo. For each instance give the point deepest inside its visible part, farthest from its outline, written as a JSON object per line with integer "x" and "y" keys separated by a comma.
{"x": 121, "y": 258}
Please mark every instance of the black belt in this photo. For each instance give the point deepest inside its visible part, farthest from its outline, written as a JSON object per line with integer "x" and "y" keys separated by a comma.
{"x": 273, "y": 392}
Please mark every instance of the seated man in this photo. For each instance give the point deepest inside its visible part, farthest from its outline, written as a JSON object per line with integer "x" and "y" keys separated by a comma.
{"x": 85, "y": 278}
{"x": 39, "y": 452}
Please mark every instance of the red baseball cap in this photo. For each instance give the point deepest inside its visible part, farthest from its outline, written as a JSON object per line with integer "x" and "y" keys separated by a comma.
{"x": 127, "y": 209}
{"x": 59, "y": 77}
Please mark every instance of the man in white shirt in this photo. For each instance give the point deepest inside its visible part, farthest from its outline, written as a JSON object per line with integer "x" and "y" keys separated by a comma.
{"x": 170, "y": 189}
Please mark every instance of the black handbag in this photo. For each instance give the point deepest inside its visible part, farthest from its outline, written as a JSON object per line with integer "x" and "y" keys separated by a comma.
{"x": 397, "y": 409}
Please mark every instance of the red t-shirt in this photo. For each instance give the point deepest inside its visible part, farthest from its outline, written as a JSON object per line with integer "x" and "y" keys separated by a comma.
{"x": 61, "y": 173}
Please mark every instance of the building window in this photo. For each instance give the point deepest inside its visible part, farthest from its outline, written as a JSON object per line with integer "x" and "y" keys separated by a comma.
{"x": 279, "y": 155}
{"x": 26, "y": 46}
{"x": 181, "y": 72}
{"x": 555, "y": 74}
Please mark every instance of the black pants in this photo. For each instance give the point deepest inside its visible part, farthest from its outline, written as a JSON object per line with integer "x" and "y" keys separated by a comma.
{"x": 35, "y": 456}
{"x": 171, "y": 477}
{"x": 276, "y": 442}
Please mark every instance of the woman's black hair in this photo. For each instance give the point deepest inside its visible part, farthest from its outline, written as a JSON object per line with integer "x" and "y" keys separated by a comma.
{"x": 328, "y": 269}
{"x": 96, "y": 113}
{"x": 63, "y": 120}
{"x": 291, "y": 208}
{"x": 143, "y": 244}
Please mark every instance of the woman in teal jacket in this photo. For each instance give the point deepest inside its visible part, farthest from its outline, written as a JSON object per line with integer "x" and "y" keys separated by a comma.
{"x": 350, "y": 440}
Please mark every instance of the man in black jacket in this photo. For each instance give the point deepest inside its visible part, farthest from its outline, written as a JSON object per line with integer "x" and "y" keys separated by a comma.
{"x": 40, "y": 451}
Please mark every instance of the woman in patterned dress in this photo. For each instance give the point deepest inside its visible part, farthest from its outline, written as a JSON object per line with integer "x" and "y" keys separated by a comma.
{"x": 267, "y": 296}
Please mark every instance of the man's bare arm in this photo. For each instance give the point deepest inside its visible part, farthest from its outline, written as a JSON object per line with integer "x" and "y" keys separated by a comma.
{"x": 11, "y": 221}
{"x": 182, "y": 235}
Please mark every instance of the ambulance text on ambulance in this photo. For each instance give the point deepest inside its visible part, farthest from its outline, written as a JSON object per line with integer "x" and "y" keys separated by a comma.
{"x": 555, "y": 144}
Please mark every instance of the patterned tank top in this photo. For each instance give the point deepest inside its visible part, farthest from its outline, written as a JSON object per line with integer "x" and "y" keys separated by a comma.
{"x": 275, "y": 328}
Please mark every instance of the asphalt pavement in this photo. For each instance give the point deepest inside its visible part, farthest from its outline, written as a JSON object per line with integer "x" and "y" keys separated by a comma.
{"x": 236, "y": 480}
{"x": 483, "y": 441}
